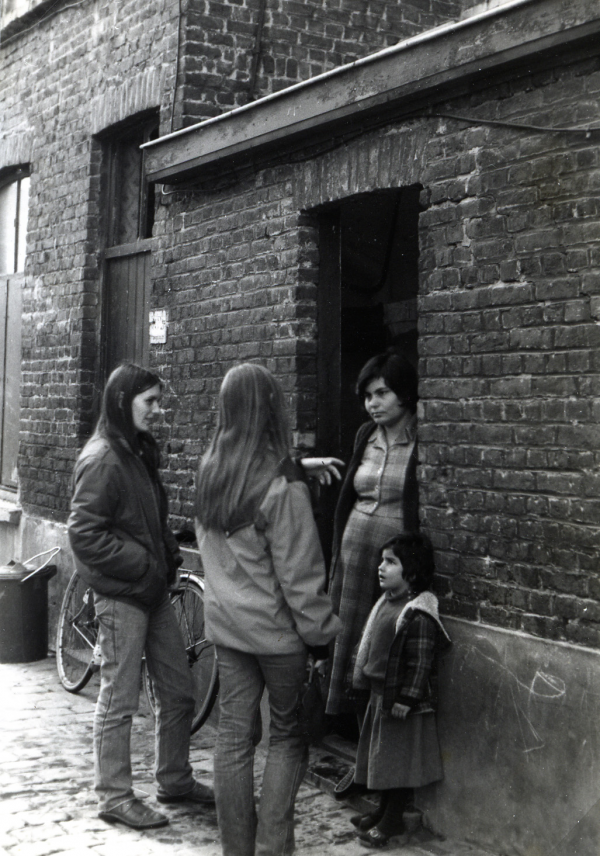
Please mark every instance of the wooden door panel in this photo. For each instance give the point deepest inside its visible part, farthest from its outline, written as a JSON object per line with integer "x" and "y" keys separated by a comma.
{"x": 128, "y": 302}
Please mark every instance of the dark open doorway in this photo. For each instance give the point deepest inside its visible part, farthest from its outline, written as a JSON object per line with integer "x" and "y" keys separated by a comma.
{"x": 368, "y": 284}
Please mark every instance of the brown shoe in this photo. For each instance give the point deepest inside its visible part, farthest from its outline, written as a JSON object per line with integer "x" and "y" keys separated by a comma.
{"x": 135, "y": 814}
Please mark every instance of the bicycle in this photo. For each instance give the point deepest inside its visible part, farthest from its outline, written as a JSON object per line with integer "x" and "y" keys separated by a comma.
{"x": 77, "y": 656}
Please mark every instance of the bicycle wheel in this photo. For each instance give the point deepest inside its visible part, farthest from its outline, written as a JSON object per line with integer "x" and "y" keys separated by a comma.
{"x": 76, "y": 635}
{"x": 188, "y": 602}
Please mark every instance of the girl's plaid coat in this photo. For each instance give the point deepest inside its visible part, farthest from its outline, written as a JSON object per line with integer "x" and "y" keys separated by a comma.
{"x": 410, "y": 676}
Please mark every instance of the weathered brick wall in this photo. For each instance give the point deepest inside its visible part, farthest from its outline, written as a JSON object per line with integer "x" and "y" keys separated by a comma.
{"x": 228, "y": 59}
{"x": 510, "y": 358}
{"x": 65, "y": 78}
{"x": 227, "y": 267}
{"x": 72, "y": 71}
{"x": 509, "y": 309}
{"x": 509, "y": 300}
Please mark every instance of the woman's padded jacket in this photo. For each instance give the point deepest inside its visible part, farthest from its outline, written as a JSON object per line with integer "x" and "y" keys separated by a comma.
{"x": 264, "y": 581}
{"x": 123, "y": 547}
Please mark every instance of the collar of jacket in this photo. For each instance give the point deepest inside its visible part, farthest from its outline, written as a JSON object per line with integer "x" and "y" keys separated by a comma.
{"x": 426, "y": 602}
{"x": 410, "y": 433}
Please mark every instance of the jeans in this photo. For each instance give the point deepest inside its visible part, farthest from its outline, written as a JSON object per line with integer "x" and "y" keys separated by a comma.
{"x": 242, "y": 679}
{"x": 125, "y": 631}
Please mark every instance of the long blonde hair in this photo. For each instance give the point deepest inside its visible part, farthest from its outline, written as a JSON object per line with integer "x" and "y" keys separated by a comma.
{"x": 250, "y": 441}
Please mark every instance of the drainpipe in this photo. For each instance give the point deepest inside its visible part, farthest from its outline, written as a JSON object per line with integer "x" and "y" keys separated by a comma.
{"x": 256, "y": 50}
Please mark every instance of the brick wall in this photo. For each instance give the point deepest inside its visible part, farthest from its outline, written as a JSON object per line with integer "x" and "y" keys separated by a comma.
{"x": 509, "y": 335}
{"x": 509, "y": 298}
{"x": 510, "y": 358}
{"x": 227, "y": 267}
{"x": 67, "y": 77}
{"x": 73, "y": 70}
{"x": 228, "y": 58}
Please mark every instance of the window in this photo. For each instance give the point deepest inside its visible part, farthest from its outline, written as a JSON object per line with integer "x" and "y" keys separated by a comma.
{"x": 130, "y": 197}
{"x": 14, "y": 201}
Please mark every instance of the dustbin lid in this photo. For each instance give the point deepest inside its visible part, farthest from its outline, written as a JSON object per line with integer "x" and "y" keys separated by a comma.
{"x": 13, "y": 571}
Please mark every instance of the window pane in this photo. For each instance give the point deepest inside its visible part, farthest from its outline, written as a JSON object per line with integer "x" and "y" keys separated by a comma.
{"x": 8, "y": 214}
{"x": 130, "y": 163}
{"x": 23, "y": 206}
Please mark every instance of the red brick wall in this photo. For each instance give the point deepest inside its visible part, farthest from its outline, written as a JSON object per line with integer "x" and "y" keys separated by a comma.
{"x": 81, "y": 69}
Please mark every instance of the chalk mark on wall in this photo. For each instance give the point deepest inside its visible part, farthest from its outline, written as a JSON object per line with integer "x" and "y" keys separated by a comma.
{"x": 543, "y": 686}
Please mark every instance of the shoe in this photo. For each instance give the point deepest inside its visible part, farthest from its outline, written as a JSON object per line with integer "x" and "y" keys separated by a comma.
{"x": 364, "y": 822}
{"x": 199, "y": 794}
{"x": 373, "y": 838}
{"x": 135, "y": 814}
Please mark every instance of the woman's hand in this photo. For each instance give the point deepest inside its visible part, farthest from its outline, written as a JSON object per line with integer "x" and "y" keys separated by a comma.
{"x": 400, "y": 711}
{"x": 323, "y": 469}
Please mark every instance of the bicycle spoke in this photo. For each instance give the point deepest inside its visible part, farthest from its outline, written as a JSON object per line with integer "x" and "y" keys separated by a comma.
{"x": 188, "y": 603}
{"x": 76, "y": 636}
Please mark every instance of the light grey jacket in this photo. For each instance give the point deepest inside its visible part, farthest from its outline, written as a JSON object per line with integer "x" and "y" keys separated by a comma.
{"x": 265, "y": 582}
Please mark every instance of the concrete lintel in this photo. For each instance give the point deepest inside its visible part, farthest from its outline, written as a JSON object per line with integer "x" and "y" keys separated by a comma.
{"x": 394, "y": 82}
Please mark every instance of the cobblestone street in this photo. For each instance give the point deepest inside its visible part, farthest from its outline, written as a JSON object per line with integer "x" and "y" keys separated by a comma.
{"x": 48, "y": 805}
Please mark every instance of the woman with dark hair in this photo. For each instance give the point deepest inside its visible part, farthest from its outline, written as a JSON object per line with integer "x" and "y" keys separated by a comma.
{"x": 378, "y": 499}
{"x": 127, "y": 554}
{"x": 265, "y": 606}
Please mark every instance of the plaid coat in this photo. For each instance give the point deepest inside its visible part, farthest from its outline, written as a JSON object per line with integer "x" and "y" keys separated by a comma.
{"x": 410, "y": 676}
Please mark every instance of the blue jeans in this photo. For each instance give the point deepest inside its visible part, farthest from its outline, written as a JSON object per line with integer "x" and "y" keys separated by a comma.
{"x": 125, "y": 631}
{"x": 242, "y": 679}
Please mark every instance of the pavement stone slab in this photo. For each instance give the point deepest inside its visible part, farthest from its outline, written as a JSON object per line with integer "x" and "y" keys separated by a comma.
{"x": 48, "y": 806}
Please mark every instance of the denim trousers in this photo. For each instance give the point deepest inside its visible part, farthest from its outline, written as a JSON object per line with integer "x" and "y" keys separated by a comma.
{"x": 125, "y": 632}
{"x": 242, "y": 679}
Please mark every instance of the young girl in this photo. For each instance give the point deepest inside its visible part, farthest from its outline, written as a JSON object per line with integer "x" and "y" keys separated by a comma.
{"x": 265, "y": 606}
{"x": 398, "y": 748}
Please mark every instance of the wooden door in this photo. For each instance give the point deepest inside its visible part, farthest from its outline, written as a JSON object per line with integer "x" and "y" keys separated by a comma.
{"x": 127, "y": 307}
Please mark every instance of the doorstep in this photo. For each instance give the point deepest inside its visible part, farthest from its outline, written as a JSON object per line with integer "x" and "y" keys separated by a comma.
{"x": 329, "y": 762}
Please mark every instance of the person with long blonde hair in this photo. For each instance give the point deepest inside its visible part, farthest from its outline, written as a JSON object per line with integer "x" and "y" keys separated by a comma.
{"x": 265, "y": 606}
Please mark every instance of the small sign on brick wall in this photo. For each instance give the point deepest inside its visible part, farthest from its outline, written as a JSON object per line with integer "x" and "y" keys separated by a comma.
{"x": 158, "y": 327}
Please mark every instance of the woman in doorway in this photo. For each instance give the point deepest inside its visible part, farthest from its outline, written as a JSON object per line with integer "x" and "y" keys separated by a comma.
{"x": 265, "y": 606}
{"x": 378, "y": 499}
{"x": 127, "y": 554}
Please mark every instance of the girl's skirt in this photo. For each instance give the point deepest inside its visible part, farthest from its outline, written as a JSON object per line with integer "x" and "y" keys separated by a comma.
{"x": 397, "y": 753}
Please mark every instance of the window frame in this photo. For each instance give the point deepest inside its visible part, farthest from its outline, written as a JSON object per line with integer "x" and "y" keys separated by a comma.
{"x": 16, "y": 175}
{"x": 11, "y": 289}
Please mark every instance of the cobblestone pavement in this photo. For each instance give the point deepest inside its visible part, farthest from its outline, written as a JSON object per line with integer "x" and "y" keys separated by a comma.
{"x": 48, "y": 805}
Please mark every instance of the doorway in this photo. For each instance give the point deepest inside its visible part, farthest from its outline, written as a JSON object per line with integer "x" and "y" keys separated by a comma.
{"x": 368, "y": 285}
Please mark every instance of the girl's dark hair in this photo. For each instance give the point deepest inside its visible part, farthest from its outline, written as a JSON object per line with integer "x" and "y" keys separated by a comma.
{"x": 116, "y": 417}
{"x": 416, "y": 554}
{"x": 398, "y": 373}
